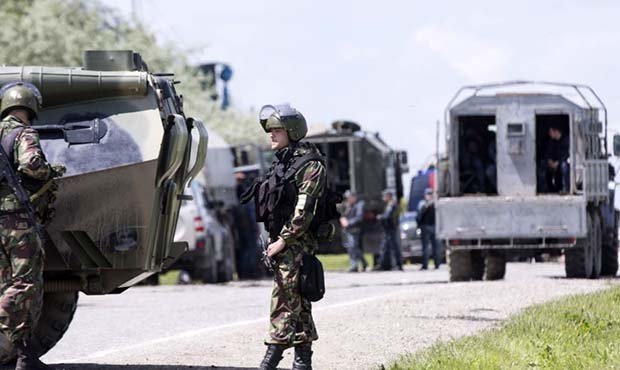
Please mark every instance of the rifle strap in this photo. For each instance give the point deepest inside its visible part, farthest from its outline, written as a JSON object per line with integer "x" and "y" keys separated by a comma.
{"x": 8, "y": 143}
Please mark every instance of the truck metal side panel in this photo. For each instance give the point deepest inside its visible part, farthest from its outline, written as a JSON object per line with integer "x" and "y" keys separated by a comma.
{"x": 511, "y": 217}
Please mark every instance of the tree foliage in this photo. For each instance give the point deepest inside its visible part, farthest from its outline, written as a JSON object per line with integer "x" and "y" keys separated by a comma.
{"x": 56, "y": 32}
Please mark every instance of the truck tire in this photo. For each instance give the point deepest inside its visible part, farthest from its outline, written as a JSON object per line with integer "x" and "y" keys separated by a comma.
{"x": 56, "y": 315}
{"x": 578, "y": 260}
{"x": 459, "y": 265}
{"x": 208, "y": 275}
{"x": 477, "y": 265}
{"x": 597, "y": 244}
{"x": 609, "y": 253}
{"x": 496, "y": 267}
{"x": 225, "y": 267}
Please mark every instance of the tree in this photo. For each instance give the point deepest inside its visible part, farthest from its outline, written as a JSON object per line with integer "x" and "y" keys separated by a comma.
{"x": 56, "y": 32}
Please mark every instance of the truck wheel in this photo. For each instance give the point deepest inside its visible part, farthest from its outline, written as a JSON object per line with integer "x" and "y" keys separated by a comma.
{"x": 579, "y": 259}
{"x": 496, "y": 267}
{"x": 597, "y": 245}
{"x": 477, "y": 265}
{"x": 209, "y": 275}
{"x": 609, "y": 253}
{"x": 459, "y": 265}
{"x": 225, "y": 267}
{"x": 56, "y": 315}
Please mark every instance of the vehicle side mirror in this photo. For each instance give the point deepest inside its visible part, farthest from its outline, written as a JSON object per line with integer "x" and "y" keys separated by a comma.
{"x": 617, "y": 145}
{"x": 403, "y": 157}
{"x": 403, "y": 161}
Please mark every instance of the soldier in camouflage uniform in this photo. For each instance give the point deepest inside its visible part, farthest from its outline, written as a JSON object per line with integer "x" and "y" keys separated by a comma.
{"x": 22, "y": 255}
{"x": 290, "y": 208}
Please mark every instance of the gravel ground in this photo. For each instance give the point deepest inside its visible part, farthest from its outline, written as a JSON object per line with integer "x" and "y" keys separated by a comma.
{"x": 365, "y": 320}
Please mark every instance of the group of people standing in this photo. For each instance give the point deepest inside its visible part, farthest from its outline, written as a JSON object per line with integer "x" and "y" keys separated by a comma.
{"x": 389, "y": 256}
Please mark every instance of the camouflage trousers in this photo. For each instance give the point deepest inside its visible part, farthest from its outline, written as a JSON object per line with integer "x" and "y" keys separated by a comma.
{"x": 290, "y": 318}
{"x": 21, "y": 277}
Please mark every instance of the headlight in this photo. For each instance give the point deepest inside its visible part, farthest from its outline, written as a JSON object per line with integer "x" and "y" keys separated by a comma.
{"x": 418, "y": 232}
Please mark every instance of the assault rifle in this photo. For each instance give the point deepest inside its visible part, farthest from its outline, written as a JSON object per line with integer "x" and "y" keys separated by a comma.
{"x": 267, "y": 261}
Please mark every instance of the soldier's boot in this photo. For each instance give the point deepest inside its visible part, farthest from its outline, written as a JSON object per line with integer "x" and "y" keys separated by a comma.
{"x": 272, "y": 357}
{"x": 27, "y": 359}
{"x": 303, "y": 357}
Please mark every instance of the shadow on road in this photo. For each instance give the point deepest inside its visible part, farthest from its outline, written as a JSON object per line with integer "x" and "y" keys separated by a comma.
{"x": 457, "y": 317}
{"x": 143, "y": 367}
{"x": 563, "y": 277}
{"x": 400, "y": 283}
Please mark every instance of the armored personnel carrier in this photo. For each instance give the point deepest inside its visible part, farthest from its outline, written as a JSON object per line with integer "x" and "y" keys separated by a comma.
{"x": 527, "y": 173}
{"x": 122, "y": 134}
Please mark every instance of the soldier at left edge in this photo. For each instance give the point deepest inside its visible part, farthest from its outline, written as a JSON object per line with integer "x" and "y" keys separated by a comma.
{"x": 22, "y": 254}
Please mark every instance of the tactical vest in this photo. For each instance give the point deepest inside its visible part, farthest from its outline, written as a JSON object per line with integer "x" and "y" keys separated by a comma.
{"x": 275, "y": 196}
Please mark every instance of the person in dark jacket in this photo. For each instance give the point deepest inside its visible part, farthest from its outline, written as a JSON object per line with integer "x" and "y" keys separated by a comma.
{"x": 426, "y": 223}
{"x": 352, "y": 224}
{"x": 555, "y": 161}
{"x": 390, "y": 245}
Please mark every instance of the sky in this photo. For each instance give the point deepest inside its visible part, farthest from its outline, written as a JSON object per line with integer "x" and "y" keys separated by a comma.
{"x": 392, "y": 66}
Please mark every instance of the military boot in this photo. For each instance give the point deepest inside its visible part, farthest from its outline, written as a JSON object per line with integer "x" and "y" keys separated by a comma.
{"x": 27, "y": 359}
{"x": 272, "y": 357}
{"x": 303, "y": 357}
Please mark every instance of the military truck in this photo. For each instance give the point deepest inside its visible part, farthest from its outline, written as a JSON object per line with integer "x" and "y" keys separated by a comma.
{"x": 122, "y": 134}
{"x": 497, "y": 194}
{"x": 362, "y": 162}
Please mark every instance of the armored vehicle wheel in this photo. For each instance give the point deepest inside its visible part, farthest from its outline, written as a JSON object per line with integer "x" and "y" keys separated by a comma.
{"x": 579, "y": 260}
{"x": 609, "y": 250}
{"x": 56, "y": 315}
{"x": 496, "y": 267}
{"x": 459, "y": 265}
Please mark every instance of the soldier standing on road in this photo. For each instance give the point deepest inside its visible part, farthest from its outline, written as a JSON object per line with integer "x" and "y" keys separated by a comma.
{"x": 351, "y": 222}
{"x": 389, "y": 220}
{"x": 287, "y": 206}
{"x": 22, "y": 255}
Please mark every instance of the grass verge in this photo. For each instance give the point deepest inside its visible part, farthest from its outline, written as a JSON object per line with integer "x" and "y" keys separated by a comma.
{"x": 574, "y": 333}
{"x": 339, "y": 262}
{"x": 169, "y": 278}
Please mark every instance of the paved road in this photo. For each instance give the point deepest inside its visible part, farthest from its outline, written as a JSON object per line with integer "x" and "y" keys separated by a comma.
{"x": 365, "y": 319}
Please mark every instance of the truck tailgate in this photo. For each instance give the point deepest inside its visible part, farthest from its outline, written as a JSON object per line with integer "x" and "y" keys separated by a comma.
{"x": 476, "y": 217}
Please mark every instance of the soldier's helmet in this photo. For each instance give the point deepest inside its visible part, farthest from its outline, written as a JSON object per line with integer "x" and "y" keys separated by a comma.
{"x": 285, "y": 117}
{"x": 20, "y": 95}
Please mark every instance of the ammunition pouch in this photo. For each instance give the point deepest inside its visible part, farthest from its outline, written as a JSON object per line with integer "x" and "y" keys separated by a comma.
{"x": 312, "y": 278}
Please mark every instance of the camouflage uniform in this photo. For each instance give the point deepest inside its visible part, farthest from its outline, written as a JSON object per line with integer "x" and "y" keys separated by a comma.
{"x": 21, "y": 251}
{"x": 291, "y": 320}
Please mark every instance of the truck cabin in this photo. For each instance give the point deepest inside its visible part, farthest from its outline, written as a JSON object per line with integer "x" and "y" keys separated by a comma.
{"x": 521, "y": 144}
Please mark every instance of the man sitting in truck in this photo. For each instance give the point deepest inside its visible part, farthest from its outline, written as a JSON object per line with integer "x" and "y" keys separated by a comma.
{"x": 472, "y": 165}
{"x": 555, "y": 161}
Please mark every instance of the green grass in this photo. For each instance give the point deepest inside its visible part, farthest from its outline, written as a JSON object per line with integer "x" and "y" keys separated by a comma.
{"x": 339, "y": 262}
{"x": 169, "y": 278}
{"x": 575, "y": 333}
